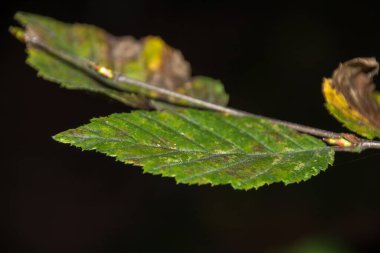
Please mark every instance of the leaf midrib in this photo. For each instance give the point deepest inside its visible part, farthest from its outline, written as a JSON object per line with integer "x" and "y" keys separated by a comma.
{"x": 201, "y": 151}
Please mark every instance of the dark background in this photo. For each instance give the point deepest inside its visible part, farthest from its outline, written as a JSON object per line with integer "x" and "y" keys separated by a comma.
{"x": 271, "y": 58}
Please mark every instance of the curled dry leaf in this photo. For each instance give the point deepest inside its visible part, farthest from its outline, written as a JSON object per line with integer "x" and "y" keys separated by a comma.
{"x": 149, "y": 59}
{"x": 351, "y": 97}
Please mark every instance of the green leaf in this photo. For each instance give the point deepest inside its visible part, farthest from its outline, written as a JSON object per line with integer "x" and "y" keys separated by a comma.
{"x": 200, "y": 147}
{"x": 149, "y": 59}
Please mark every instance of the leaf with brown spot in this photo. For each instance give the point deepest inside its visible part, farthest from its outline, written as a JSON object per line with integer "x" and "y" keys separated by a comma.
{"x": 149, "y": 59}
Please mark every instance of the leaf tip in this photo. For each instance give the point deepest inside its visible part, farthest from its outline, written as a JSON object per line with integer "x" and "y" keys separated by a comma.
{"x": 21, "y": 17}
{"x": 18, "y": 33}
{"x": 60, "y": 137}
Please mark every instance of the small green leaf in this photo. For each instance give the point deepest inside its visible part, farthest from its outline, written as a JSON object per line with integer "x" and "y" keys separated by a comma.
{"x": 149, "y": 59}
{"x": 200, "y": 147}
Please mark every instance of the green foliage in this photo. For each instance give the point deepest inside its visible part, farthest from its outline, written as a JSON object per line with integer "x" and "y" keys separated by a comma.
{"x": 199, "y": 147}
{"x": 193, "y": 146}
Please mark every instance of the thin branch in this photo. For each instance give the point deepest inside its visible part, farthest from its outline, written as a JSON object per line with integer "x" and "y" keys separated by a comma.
{"x": 370, "y": 144}
{"x": 125, "y": 83}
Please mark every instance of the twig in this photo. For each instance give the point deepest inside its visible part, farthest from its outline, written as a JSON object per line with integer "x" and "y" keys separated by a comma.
{"x": 339, "y": 141}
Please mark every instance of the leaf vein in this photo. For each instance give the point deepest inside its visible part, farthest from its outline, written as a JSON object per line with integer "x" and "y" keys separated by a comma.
{"x": 175, "y": 132}
{"x": 196, "y": 124}
{"x": 158, "y": 138}
{"x": 249, "y": 135}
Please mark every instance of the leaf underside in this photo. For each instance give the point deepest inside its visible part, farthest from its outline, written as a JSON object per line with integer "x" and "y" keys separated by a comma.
{"x": 149, "y": 59}
{"x": 200, "y": 147}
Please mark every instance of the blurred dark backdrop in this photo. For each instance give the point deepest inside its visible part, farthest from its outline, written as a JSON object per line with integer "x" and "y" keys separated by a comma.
{"x": 271, "y": 59}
